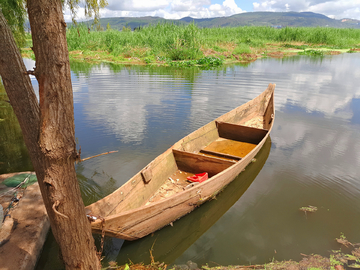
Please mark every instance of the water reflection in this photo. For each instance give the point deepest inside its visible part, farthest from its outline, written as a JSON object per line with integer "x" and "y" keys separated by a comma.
{"x": 170, "y": 242}
{"x": 14, "y": 156}
{"x": 314, "y": 159}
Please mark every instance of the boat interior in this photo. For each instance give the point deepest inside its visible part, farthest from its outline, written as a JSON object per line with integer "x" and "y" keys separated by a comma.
{"x": 233, "y": 142}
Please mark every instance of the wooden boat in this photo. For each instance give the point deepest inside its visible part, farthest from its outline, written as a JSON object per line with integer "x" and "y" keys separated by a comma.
{"x": 160, "y": 193}
{"x": 172, "y": 241}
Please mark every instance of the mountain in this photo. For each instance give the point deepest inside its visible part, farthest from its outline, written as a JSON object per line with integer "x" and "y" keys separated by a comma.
{"x": 274, "y": 19}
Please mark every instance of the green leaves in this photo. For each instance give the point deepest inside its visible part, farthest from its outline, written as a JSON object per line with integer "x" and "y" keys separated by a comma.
{"x": 208, "y": 61}
{"x": 15, "y": 14}
{"x": 92, "y": 9}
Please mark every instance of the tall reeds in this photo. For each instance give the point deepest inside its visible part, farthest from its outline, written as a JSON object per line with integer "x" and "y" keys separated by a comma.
{"x": 187, "y": 42}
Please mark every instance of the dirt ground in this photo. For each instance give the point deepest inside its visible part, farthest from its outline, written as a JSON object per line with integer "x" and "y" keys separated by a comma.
{"x": 24, "y": 231}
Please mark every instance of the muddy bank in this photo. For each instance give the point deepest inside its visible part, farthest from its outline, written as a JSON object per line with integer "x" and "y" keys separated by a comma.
{"x": 24, "y": 230}
{"x": 314, "y": 262}
{"x": 347, "y": 257}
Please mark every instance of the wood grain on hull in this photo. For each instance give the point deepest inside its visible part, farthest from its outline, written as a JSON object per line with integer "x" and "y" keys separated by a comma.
{"x": 156, "y": 196}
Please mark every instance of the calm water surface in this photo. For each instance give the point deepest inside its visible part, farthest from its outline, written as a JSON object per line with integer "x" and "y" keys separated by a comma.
{"x": 312, "y": 159}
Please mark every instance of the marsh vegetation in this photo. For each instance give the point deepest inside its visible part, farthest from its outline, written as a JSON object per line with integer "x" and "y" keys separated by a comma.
{"x": 166, "y": 43}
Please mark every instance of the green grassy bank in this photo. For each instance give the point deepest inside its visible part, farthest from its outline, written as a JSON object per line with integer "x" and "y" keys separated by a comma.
{"x": 166, "y": 43}
{"x": 347, "y": 257}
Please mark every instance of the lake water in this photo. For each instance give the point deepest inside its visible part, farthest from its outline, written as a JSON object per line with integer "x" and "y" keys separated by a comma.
{"x": 312, "y": 158}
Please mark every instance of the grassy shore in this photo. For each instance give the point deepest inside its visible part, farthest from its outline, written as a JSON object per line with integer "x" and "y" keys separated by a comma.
{"x": 170, "y": 44}
{"x": 347, "y": 257}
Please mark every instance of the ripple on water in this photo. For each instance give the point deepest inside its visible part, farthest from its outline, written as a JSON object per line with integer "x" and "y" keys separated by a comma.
{"x": 314, "y": 158}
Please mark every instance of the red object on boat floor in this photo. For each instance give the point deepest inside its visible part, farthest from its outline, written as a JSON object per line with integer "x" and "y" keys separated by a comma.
{"x": 200, "y": 177}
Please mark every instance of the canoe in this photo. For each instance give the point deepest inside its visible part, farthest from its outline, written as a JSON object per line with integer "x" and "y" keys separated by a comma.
{"x": 172, "y": 241}
{"x": 160, "y": 193}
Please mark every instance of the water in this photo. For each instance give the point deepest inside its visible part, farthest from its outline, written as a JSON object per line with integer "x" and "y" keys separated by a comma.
{"x": 312, "y": 159}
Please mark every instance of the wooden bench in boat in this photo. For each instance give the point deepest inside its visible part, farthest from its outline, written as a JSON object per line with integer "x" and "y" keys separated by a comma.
{"x": 234, "y": 143}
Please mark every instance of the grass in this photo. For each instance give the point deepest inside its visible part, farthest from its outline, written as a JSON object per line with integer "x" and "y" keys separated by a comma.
{"x": 165, "y": 43}
{"x": 336, "y": 260}
{"x": 181, "y": 45}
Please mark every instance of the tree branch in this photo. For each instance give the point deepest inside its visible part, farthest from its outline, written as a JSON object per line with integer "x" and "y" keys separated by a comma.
{"x": 30, "y": 72}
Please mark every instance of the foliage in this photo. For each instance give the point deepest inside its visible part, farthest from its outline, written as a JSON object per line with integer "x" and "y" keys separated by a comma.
{"x": 92, "y": 9}
{"x": 242, "y": 48}
{"x": 320, "y": 35}
{"x": 125, "y": 29}
{"x": 15, "y": 14}
{"x": 189, "y": 42}
{"x": 177, "y": 43}
{"x": 209, "y": 61}
{"x": 312, "y": 53}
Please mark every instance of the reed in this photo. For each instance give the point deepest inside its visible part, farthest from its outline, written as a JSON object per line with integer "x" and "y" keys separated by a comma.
{"x": 189, "y": 42}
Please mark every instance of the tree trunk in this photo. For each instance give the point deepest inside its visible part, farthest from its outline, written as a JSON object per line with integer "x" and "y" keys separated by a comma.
{"x": 48, "y": 129}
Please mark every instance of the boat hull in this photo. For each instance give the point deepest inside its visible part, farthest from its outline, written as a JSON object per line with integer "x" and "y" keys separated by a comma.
{"x": 129, "y": 213}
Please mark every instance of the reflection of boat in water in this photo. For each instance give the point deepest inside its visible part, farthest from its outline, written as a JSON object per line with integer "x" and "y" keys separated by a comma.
{"x": 160, "y": 193}
{"x": 170, "y": 242}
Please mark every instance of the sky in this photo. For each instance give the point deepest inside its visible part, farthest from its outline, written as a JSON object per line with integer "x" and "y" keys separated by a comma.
{"x": 177, "y": 9}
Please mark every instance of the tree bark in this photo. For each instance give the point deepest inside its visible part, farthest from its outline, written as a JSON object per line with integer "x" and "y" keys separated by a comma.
{"x": 48, "y": 127}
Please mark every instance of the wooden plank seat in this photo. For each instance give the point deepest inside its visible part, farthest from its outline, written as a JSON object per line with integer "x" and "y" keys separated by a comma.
{"x": 220, "y": 155}
{"x": 197, "y": 163}
{"x": 241, "y": 133}
{"x": 234, "y": 142}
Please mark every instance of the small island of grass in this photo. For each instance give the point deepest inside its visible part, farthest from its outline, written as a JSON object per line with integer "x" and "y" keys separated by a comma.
{"x": 188, "y": 45}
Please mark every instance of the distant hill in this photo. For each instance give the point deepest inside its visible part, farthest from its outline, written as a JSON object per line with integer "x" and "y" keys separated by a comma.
{"x": 274, "y": 19}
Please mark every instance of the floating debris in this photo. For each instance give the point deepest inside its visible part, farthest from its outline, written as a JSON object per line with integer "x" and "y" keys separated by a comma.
{"x": 343, "y": 241}
{"x": 350, "y": 261}
{"x": 309, "y": 208}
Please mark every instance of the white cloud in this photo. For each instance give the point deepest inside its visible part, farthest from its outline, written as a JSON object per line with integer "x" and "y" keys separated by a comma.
{"x": 337, "y": 9}
{"x": 172, "y": 9}
{"x": 168, "y": 9}
{"x": 186, "y": 5}
{"x": 177, "y": 9}
{"x": 137, "y": 5}
{"x": 202, "y": 9}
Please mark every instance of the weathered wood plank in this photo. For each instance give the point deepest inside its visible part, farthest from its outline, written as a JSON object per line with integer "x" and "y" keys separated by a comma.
{"x": 269, "y": 114}
{"x": 241, "y": 133}
{"x": 199, "y": 138}
{"x": 220, "y": 155}
{"x": 136, "y": 192}
{"x": 196, "y": 163}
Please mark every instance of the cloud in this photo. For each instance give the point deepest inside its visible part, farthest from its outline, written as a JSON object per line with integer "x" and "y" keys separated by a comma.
{"x": 168, "y": 9}
{"x": 137, "y": 5}
{"x": 177, "y": 9}
{"x": 187, "y": 5}
{"x": 171, "y": 9}
{"x": 337, "y": 9}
